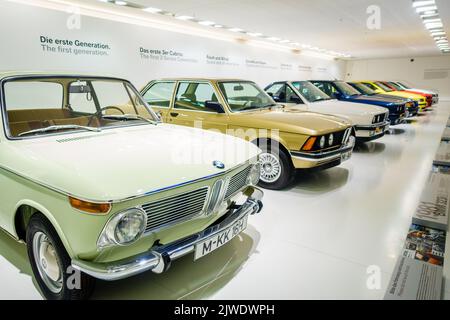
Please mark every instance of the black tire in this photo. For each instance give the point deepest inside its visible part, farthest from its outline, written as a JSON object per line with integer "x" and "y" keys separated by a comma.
{"x": 287, "y": 169}
{"x": 39, "y": 224}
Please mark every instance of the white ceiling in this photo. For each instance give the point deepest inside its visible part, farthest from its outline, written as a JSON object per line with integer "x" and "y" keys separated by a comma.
{"x": 338, "y": 25}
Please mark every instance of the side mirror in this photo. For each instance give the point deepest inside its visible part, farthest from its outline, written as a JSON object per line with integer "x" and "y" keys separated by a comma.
{"x": 214, "y": 105}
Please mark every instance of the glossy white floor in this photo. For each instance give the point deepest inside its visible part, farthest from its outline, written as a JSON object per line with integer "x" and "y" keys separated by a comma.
{"x": 313, "y": 241}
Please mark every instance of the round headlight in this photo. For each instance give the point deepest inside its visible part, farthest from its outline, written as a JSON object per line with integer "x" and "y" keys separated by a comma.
{"x": 322, "y": 142}
{"x": 330, "y": 140}
{"x": 124, "y": 228}
{"x": 253, "y": 176}
{"x": 129, "y": 227}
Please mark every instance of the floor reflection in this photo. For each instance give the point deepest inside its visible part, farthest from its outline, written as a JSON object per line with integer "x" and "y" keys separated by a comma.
{"x": 320, "y": 181}
{"x": 186, "y": 279}
{"x": 396, "y": 131}
{"x": 370, "y": 147}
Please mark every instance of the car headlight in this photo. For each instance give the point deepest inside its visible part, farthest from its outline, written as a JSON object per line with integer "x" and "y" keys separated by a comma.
{"x": 322, "y": 142}
{"x": 253, "y": 175}
{"x": 330, "y": 140}
{"x": 124, "y": 228}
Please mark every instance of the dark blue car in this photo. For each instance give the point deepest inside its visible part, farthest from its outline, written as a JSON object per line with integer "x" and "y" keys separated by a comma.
{"x": 342, "y": 91}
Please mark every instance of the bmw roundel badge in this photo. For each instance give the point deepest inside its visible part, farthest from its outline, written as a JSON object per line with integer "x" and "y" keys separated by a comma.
{"x": 218, "y": 164}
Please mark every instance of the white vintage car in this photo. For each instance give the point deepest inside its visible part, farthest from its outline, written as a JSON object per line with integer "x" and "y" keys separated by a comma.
{"x": 98, "y": 187}
{"x": 370, "y": 122}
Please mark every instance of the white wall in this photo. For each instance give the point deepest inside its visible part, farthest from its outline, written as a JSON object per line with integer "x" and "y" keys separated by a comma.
{"x": 424, "y": 72}
{"x": 187, "y": 56}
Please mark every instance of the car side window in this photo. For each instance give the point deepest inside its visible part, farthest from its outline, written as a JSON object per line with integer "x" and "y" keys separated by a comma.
{"x": 292, "y": 97}
{"x": 194, "y": 95}
{"x": 278, "y": 92}
{"x": 325, "y": 87}
{"x": 371, "y": 86}
{"x": 160, "y": 94}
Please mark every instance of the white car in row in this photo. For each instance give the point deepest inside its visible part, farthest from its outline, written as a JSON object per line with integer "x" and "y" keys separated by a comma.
{"x": 370, "y": 122}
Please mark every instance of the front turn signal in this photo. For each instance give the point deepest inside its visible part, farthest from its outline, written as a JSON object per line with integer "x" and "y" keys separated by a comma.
{"x": 90, "y": 207}
{"x": 309, "y": 144}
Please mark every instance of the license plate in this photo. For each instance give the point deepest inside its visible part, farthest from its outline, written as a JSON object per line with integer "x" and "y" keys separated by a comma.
{"x": 345, "y": 156}
{"x": 218, "y": 240}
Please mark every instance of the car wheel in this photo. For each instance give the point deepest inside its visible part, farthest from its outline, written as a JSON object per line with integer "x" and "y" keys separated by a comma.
{"x": 276, "y": 168}
{"x": 52, "y": 265}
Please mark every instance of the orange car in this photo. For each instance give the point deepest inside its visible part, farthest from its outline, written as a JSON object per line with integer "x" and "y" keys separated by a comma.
{"x": 396, "y": 87}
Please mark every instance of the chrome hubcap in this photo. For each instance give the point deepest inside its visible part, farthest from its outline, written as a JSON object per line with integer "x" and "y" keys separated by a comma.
{"x": 47, "y": 262}
{"x": 270, "y": 168}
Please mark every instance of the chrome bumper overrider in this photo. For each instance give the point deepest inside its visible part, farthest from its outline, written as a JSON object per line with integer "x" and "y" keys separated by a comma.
{"x": 158, "y": 259}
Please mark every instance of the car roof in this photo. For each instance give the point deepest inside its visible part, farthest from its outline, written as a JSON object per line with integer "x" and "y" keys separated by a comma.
{"x": 203, "y": 79}
{"x": 8, "y": 74}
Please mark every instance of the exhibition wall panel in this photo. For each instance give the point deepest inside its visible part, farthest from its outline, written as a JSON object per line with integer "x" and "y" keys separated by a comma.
{"x": 431, "y": 73}
{"x": 40, "y": 39}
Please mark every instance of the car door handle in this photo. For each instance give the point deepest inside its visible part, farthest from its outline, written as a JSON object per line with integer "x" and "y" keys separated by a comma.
{"x": 174, "y": 114}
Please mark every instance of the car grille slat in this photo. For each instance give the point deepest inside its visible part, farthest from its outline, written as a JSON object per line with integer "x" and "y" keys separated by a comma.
{"x": 237, "y": 182}
{"x": 175, "y": 208}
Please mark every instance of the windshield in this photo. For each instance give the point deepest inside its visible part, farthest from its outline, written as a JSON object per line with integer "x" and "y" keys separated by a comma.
{"x": 310, "y": 92}
{"x": 384, "y": 87}
{"x": 46, "y": 105}
{"x": 346, "y": 89}
{"x": 363, "y": 89}
{"x": 242, "y": 96}
{"x": 404, "y": 86}
{"x": 396, "y": 86}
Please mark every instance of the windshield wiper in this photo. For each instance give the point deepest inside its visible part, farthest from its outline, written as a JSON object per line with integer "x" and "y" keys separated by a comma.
{"x": 59, "y": 127}
{"x": 127, "y": 117}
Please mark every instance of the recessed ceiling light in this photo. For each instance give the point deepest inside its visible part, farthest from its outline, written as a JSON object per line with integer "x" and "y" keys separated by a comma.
{"x": 206, "y": 23}
{"x": 433, "y": 20}
{"x": 254, "y": 34}
{"x": 186, "y": 18}
{"x": 120, "y": 3}
{"x": 426, "y": 10}
{"x": 285, "y": 41}
{"x": 433, "y": 25}
{"x": 152, "y": 10}
{"x": 437, "y": 33}
{"x": 235, "y": 30}
{"x": 273, "y": 39}
{"x": 421, "y": 3}
{"x": 218, "y": 26}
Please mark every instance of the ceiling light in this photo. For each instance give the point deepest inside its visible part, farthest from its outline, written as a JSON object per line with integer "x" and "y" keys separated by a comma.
{"x": 442, "y": 41}
{"x": 120, "y": 3}
{"x": 254, "y": 34}
{"x": 184, "y": 18}
{"x": 421, "y": 3}
{"x": 434, "y": 20}
{"x": 429, "y": 15}
{"x": 206, "y": 23}
{"x": 273, "y": 39}
{"x": 433, "y": 25}
{"x": 218, "y": 26}
{"x": 152, "y": 10}
{"x": 437, "y": 33}
{"x": 426, "y": 9}
{"x": 235, "y": 30}
{"x": 285, "y": 41}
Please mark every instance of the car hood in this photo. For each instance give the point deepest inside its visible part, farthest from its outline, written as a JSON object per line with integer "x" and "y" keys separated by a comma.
{"x": 423, "y": 91}
{"x": 120, "y": 163}
{"x": 290, "y": 120}
{"x": 357, "y": 113}
{"x": 375, "y": 98}
{"x": 406, "y": 95}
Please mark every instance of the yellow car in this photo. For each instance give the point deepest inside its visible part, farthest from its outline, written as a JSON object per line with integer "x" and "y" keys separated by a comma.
{"x": 380, "y": 88}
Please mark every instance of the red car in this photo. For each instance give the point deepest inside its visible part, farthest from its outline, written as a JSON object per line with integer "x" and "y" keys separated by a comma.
{"x": 396, "y": 87}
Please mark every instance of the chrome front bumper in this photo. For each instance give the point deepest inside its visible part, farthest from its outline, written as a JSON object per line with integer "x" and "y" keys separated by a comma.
{"x": 370, "y": 131}
{"x": 321, "y": 158}
{"x": 158, "y": 259}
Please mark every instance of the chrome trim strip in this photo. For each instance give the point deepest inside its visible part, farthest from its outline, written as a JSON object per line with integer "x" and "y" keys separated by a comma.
{"x": 373, "y": 126}
{"x": 158, "y": 259}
